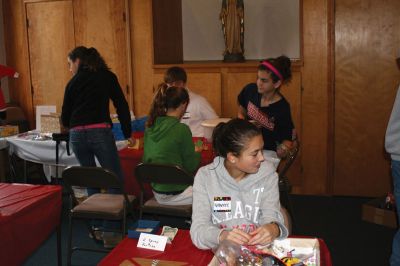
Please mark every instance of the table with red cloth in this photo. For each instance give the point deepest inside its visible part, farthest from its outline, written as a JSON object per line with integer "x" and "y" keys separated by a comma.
{"x": 131, "y": 157}
{"x": 28, "y": 215}
{"x": 181, "y": 249}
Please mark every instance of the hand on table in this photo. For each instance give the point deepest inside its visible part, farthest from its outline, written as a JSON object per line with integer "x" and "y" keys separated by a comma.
{"x": 131, "y": 142}
{"x": 261, "y": 236}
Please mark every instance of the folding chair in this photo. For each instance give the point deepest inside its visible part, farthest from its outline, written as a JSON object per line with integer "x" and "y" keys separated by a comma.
{"x": 284, "y": 184}
{"x": 102, "y": 206}
{"x": 162, "y": 174}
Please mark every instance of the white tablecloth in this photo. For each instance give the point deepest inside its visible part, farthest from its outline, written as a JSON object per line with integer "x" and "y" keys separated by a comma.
{"x": 44, "y": 152}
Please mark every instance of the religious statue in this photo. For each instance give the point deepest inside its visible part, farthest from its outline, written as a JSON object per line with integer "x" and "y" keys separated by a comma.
{"x": 232, "y": 19}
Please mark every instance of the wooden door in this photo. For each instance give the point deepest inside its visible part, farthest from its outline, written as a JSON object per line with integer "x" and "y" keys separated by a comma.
{"x": 50, "y": 38}
{"x": 367, "y": 34}
{"x": 103, "y": 24}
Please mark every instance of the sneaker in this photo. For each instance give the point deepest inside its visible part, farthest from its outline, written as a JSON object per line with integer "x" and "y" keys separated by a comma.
{"x": 111, "y": 239}
{"x": 96, "y": 235}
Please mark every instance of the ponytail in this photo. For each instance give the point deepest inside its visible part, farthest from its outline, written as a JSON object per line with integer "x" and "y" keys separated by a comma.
{"x": 280, "y": 68}
{"x": 164, "y": 99}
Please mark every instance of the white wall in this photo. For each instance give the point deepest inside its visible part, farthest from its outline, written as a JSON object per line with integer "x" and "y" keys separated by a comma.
{"x": 4, "y": 81}
{"x": 272, "y": 28}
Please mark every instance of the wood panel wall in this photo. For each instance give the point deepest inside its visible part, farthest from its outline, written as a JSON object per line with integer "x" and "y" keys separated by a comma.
{"x": 313, "y": 75}
{"x": 316, "y": 172}
{"x": 367, "y": 44}
{"x": 45, "y": 61}
{"x": 17, "y": 57}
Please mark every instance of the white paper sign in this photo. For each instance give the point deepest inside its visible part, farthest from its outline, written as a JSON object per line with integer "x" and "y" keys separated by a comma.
{"x": 154, "y": 242}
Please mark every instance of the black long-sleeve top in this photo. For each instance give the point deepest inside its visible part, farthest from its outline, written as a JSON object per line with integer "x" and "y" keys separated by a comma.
{"x": 86, "y": 100}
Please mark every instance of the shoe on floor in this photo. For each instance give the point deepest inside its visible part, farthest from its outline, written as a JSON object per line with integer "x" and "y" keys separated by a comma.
{"x": 96, "y": 235}
{"x": 111, "y": 239}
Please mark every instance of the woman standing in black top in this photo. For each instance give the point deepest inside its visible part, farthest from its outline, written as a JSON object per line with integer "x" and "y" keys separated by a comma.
{"x": 85, "y": 111}
{"x": 263, "y": 103}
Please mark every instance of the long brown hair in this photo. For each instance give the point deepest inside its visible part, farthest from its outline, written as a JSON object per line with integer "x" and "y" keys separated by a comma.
{"x": 165, "y": 98}
{"x": 90, "y": 58}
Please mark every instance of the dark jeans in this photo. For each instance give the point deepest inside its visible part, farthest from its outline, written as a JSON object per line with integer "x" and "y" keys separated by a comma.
{"x": 395, "y": 258}
{"x": 98, "y": 143}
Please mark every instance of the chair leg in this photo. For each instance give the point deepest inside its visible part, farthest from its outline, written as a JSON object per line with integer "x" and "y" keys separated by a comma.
{"x": 286, "y": 202}
{"x": 59, "y": 254}
{"x": 124, "y": 223}
{"x": 140, "y": 213}
{"x": 69, "y": 241}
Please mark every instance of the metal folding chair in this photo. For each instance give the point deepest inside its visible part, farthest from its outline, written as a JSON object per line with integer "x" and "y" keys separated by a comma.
{"x": 163, "y": 174}
{"x": 284, "y": 185}
{"x": 102, "y": 206}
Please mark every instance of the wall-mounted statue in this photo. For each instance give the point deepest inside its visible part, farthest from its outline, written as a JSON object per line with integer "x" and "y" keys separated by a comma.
{"x": 232, "y": 19}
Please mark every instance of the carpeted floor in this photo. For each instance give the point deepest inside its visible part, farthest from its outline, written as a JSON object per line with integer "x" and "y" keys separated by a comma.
{"x": 335, "y": 219}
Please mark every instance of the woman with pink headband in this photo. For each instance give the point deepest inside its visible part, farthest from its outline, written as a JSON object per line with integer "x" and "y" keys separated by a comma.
{"x": 263, "y": 103}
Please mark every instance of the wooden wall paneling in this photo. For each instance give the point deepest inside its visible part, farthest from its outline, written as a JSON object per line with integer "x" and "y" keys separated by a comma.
{"x": 17, "y": 55}
{"x": 158, "y": 78}
{"x": 207, "y": 85}
{"x": 142, "y": 54}
{"x": 48, "y": 49}
{"x": 103, "y": 24}
{"x": 315, "y": 99}
{"x": 167, "y": 31}
{"x": 367, "y": 43}
{"x": 235, "y": 83}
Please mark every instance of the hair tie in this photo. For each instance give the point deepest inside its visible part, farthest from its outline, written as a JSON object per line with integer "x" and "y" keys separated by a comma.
{"x": 272, "y": 68}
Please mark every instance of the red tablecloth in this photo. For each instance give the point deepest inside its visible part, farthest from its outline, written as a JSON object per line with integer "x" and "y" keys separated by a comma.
{"x": 28, "y": 214}
{"x": 181, "y": 249}
{"x": 130, "y": 158}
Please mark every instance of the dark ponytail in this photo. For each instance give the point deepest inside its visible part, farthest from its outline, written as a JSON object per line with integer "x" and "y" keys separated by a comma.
{"x": 164, "y": 99}
{"x": 233, "y": 136}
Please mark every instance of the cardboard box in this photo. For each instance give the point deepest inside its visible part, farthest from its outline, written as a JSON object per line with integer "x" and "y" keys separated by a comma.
{"x": 50, "y": 123}
{"x": 6, "y": 131}
{"x": 372, "y": 212}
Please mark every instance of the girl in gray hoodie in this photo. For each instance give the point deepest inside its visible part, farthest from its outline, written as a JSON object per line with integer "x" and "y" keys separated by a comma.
{"x": 236, "y": 197}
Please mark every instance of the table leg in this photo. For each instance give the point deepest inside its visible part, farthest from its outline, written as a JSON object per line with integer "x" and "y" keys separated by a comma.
{"x": 25, "y": 173}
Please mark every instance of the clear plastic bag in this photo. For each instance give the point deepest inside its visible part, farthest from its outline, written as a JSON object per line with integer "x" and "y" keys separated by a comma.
{"x": 231, "y": 254}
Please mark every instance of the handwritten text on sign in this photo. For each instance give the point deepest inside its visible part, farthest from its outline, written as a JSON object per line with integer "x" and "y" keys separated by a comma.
{"x": 154, "y": 242}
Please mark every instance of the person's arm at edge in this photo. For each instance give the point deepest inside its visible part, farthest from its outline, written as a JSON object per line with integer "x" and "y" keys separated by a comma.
{"x": 121, "y": 107}
{"x": 204, "y": 234}
{"x": 241, "y": 112}
{"x": 66, "y": 108}
{"x": 270, "y": 205}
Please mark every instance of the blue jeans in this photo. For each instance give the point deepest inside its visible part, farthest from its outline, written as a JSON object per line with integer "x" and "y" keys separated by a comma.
{"x": 395, "y": 258}
{"x": 99, "y": 143}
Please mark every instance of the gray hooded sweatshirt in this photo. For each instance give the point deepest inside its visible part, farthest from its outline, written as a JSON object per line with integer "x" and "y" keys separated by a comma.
{"x": 221, "y": 203}
{"x": 392, "y": 138}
